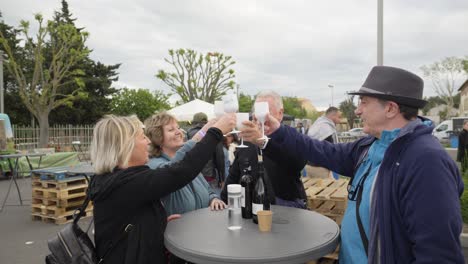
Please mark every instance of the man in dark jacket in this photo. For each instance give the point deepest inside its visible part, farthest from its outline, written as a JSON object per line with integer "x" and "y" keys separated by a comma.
{"x": 403, "y": 201}
{"x": 283, "y": 173}
{"x": 214, "y": 169}
{"x": 462, "y": 157}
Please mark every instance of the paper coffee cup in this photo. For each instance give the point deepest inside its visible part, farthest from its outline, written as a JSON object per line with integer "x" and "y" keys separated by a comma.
{"x": 265, "y": 218}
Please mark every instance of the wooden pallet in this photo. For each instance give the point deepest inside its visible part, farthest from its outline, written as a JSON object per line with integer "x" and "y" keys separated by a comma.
{"x": 59, "y": 220}
{"x": 327, "y": 196}
{"x": 64, "y": 202}
{"x": 53, "y": 210}
{"x": 56, "y": 173}
{"x": 52, "y": 193}
{"x": 61, "y": 184}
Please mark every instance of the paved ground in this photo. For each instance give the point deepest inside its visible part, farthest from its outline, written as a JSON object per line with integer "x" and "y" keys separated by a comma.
{"x": 23, "y": 241}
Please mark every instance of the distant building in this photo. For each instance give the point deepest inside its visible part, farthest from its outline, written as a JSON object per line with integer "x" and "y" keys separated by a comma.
{"x": 463, "y": 109}
{"x": 307, "y": 105}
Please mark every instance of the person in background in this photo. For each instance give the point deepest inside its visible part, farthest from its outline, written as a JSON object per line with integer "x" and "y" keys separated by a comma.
{"x": 283, "y": 170}
{"x": 462, "y": 156}
{"x": 300, "y": 128}
{"x": 228, "y": 140}
{"x": 324, "y": 128}
{"x": 126, "y": 192}
{"x": 198, "y": 121}
{"x": 214, "y": 170}
{"x": 168, "y": 147}
{"x": 404, "y": 192}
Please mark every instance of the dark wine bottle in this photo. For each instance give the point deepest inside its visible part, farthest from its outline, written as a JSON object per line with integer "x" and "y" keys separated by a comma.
{"x": 247, "y": 184}
{"x": 260, "y": 199}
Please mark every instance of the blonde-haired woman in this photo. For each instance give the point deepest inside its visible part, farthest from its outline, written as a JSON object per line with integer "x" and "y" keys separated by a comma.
{"x": 126, "y": 191}
{"x": 168, "y": 147}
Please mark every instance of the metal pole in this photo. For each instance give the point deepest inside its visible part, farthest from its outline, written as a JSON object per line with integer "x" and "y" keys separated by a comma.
{"x": 331, "y": 86}
{"x": 380, "y": 32}
{"x": 1, "y": 83}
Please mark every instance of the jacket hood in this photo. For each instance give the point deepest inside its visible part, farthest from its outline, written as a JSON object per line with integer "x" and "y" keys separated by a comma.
{"x": 419, "y": 126}
{"x": 102, "y": 185}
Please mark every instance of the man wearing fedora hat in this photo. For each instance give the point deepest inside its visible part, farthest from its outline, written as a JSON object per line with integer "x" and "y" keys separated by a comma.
{"x": 404, "y": 189}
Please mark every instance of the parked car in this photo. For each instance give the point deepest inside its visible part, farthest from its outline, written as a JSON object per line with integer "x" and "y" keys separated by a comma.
{"x": 355, "y": 132}
{"x": 454, "y": 125}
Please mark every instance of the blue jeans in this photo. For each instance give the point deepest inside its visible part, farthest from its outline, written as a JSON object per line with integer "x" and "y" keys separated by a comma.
{"x": 298, "y": 203}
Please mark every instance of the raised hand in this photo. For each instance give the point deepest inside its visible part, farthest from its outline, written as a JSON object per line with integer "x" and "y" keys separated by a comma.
{"x": 251, "y": 132}
{"x": 226, "y": 122}
{"x": 271, "y": 125}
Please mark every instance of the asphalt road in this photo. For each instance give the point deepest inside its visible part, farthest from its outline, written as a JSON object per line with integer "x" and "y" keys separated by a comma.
{"x": 22, "y": 240}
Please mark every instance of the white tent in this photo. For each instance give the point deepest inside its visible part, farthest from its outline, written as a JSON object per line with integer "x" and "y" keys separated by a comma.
{"x": 186, "y": 111}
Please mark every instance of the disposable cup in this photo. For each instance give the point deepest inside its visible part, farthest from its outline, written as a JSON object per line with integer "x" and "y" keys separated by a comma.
{"x": 265, "y": 218}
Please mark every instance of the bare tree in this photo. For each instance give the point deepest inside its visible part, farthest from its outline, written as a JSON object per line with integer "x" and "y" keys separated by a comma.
{"x": 444, "y": 75}
{"x": 197, "y": 76}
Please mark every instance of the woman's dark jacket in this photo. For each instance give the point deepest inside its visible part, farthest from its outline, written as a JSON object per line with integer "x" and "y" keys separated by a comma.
{"x": 132, "y": 196}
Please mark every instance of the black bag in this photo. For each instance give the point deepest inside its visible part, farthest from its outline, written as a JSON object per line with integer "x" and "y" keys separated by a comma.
{"x": 73, "y": 246}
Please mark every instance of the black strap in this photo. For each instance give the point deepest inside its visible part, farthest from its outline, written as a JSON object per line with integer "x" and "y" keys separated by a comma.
{"x": 82, "y": 211}
{"x": 127, "y": 229}
{"x": 365, "y": 241}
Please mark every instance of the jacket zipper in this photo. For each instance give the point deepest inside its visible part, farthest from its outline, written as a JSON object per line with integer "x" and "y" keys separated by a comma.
{"x": 65, "y": 245}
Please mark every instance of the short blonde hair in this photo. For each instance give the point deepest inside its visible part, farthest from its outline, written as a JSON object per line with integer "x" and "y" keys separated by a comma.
{"x": 113, "y": 142}
{"x": 155, "y": 132}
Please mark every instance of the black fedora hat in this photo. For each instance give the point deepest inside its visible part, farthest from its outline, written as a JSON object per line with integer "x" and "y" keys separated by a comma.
{"x": 393, "y": 84}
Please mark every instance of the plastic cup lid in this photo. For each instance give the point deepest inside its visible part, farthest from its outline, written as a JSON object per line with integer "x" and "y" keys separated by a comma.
{"x": 234, "y": 188}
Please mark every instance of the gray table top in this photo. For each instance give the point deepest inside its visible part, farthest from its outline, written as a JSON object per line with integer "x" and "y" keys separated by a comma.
{"x": 19, "y": 155}
{"x": 81, "y": 169}
{"x": 297, "y": 236}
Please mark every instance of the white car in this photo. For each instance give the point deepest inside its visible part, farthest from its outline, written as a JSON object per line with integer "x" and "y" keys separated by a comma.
{"x": 356, "y": 132}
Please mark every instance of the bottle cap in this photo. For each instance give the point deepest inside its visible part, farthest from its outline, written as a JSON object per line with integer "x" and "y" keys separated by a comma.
{"x": 234, "y": 188}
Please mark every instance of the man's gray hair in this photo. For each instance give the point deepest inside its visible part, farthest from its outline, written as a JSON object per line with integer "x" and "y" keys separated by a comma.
{"x": 271, "y": 94}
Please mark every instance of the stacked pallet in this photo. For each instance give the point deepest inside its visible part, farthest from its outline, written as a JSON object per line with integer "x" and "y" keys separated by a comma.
{"x": 328, "y": 197}
{"x": 56, "y": 195}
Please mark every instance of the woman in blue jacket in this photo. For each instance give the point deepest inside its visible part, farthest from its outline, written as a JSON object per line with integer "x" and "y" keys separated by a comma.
{"x": 167, "y": 147}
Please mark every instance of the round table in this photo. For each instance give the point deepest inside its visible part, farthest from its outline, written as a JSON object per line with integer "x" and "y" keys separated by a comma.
{"x": 297, "y": 236}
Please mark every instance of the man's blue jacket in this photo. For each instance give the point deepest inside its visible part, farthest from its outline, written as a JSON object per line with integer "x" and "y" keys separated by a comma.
{"x": 415, "y": 207}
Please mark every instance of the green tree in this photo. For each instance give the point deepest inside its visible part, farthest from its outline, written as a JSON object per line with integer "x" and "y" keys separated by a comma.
{"x": 245, "y": 103}
{"x": 141, "y": 102}
{"x": 13, "y": 105}
{"x": 41, "y": 92}
{"x": 465, "y": 64}
{"x": 197, "y": 76}
{"x": 444, "y": 74}
{"x": 432, "y": 102}
{"x": 97, "y": 79}
{"x": 292, "y": 106}
{"x": 347, "y": 107}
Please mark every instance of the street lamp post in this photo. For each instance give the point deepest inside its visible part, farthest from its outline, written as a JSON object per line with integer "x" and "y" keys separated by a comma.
{"x": 379, "y": 32}
{"x": 331, "y": 86}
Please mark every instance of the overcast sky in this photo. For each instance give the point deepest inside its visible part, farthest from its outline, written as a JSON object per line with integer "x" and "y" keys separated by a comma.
{"x": 293, "y": 47}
